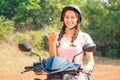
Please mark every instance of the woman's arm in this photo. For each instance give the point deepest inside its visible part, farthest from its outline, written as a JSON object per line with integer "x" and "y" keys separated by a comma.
{"x": 52, "y": 45}
{"x": 90, "y": 59}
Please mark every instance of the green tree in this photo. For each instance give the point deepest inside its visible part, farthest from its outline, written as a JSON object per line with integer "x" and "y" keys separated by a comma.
{"x": 103, "y": 25}
{"x": 19, "y": 10}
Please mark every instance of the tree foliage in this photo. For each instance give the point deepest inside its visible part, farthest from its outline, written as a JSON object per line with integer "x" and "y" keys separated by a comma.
{"x": 104, "y": 25}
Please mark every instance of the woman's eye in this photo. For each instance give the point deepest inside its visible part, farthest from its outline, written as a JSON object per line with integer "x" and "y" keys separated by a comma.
{"x": 72, "y": 17}
{"x": 66, "y": 17}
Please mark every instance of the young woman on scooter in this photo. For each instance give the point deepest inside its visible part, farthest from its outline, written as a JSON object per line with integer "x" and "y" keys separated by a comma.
{"x": 69, "y": 41}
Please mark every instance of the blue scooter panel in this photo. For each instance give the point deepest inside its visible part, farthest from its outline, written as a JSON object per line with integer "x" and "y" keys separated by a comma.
{"x": 56, "y": 64}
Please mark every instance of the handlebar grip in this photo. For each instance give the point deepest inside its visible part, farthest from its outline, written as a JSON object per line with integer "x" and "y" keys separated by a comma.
{"x": 28, "y": 68}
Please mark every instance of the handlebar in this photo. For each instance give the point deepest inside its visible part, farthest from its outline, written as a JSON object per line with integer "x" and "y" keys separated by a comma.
{"x": 31, "y": 68}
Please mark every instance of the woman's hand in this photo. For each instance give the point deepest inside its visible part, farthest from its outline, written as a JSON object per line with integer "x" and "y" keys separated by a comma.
{"x": 88, "y": 69}
{"x": 51, "y": 36}
{"x": 52, "y": 46}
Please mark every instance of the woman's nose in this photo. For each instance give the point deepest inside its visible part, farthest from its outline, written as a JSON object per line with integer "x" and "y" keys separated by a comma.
{"x": 69, "y": 19}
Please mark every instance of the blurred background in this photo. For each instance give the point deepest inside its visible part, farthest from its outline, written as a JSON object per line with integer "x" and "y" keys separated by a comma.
{"x": 31, "y": 20}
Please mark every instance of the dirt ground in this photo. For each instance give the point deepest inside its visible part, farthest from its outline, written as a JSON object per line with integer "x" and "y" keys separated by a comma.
{"x": 11, "y": 68}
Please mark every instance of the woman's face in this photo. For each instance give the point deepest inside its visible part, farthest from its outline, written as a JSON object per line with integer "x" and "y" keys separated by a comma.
{"x": 70, "y": 18}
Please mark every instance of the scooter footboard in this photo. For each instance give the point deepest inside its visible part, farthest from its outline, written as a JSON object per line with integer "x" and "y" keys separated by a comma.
{"x": 55, "y": 76}
{"x": 72, "y": 72}
{"x": 60, "y": 75}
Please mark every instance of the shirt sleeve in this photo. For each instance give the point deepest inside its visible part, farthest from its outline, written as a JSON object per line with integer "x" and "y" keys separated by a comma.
{"x": 88, "y": 39}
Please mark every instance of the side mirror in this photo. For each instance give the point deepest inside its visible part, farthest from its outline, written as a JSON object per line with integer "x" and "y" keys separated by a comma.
{"x": 89, "y": 47}
{"x": 27, "y": 48}
{"x": 24, "y": 47}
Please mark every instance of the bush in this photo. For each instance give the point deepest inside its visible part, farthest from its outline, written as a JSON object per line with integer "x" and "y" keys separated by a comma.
{"x": 112, "y": 53}
{"x": 19, "y": 37}
{"x": 37, "y": 39}
{"x": 96, "y": 53}
{"x": 6, "y": 27}
{"x": 34, "y": 38}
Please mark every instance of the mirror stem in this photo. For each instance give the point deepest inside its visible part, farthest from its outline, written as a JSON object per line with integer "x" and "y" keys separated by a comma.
{"x": 37, "y": 55}
{"x": 76, "y": 55}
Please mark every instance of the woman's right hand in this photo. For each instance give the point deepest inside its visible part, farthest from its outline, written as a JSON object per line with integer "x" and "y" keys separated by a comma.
{"x": 51, "y": 37}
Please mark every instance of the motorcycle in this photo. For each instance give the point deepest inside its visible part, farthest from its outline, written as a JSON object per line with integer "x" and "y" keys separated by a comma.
{"x": 55, "y": 67}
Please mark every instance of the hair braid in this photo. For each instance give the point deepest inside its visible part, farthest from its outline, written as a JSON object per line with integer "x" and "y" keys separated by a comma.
{"x": 74, "y": 36}
{"x": 62, "y": 32}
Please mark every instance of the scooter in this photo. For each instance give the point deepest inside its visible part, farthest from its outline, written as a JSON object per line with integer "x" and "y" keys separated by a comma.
{"x": 55, "y": 67}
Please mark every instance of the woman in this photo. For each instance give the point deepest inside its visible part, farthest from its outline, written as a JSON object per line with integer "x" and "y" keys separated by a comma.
{"x": 69, "y": 41}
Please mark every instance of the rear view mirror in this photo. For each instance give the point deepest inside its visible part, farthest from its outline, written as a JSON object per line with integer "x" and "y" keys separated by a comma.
{"x": 24, "y": 47}
{"x": 27, "y": 48}
{"x": 89, "y": 47}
